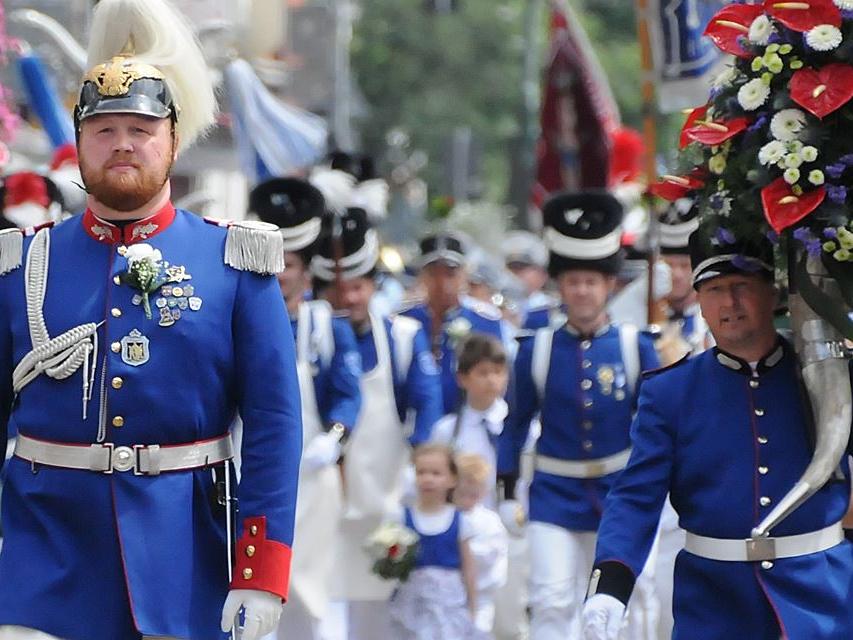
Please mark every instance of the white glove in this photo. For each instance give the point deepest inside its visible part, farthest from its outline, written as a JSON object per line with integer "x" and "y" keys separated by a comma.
{"x": 602, "y": 617}
{"x": 323, "y": 450}
{"x": 262, "y": 611}
{"x": 513, "y": 517}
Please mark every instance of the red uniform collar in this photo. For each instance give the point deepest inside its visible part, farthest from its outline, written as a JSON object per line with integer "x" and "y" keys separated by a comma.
{"x": 141, "y": 230}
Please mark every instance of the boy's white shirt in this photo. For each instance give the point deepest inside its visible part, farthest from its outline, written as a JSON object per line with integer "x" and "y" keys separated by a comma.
{"x": 473, "y": 438}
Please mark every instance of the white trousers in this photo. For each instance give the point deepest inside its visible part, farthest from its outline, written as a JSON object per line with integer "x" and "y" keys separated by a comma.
{"x": 295, "y": 624}
{"x": 511, "y": 598}
{"x": 560, "y": 566}
{"x": 13, "y": 632}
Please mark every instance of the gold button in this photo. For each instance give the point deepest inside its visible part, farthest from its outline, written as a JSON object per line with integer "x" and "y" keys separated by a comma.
{"x": 253, "y": 529}
{"x": 586, "y": 385}
{"x": 115, "y": 347}
{"x": 117, "y": 279}
{"x": 586, "y": 364}
{"x": 587, "y": 445}
{"x": 753, "y": 384}
{"x": 763, "y": 470}
{"x": 116, "y": 313}
{"x": 250, "y": 550}
{"x": 766, "y": 564}
{"x": 762, "y": 440}
{"x": 764, "y": 501}
{"x": 117, "y": 383}
{"x": 122, "y": 250}
{"x": 759, "y": 412}
{"x": 118, "y": 421}
{"x": 587, "y": 424}
{"x": 248, "y": 573}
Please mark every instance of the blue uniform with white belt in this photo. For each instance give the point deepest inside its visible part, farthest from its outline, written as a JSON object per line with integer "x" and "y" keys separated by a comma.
{"x": 419, "y": 390}
{"x": 88, "y": 554}
{"x": 727, "y": 445}
{"x": 585, "y": 413}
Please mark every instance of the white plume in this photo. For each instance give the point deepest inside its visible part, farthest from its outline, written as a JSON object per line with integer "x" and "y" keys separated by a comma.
{"x": 161, "y": 36}
{"x": 335, "y": 185}
{"x": 372, "y": 196}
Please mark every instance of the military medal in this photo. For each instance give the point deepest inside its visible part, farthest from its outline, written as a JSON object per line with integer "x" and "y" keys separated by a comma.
{"x": 134, "y": 349}
{"x": 136, "y": 300}
{"x": 166, "y": 319}
{"x": 177, "y": 274}
{"x": 606, "y": 376}
{"x": 194, "y": 303}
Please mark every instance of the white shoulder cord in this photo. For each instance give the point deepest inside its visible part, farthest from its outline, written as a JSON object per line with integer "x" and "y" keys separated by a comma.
{"x": 62, "y": 356}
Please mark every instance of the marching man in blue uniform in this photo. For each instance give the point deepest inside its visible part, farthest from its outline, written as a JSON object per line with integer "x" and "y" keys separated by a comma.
{"x": 446, "y": 315}
{"x": 329, "y": 368}
{"x": 582, "y": 378}
{"x": 130, "y": 336}
{"x": 401, "y": 400}
{"x": 728, "y": 433}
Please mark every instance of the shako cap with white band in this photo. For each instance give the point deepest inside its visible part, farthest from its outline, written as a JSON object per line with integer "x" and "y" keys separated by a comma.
{"x": 711, "y": 257}
{"x": 359, "y": 244}
{"x": 295, "y": 206}
{"x": 680, "y": 219}
{"x": 583, "y": 231}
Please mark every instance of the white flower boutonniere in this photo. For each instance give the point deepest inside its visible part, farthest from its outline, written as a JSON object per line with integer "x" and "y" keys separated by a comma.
{"x": 145, "y": 271}
{"x": 458, "y": 329}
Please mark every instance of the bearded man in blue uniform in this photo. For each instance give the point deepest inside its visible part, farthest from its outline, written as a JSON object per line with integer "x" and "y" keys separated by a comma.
{"x": 582, "y": 379}
{"x": 130, "y": 337}
{"x": 728, "y": 433}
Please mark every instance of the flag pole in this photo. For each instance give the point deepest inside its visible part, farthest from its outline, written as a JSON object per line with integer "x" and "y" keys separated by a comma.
{"x": 650, "y": 143}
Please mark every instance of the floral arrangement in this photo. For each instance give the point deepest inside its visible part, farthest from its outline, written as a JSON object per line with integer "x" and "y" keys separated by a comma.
{"x": 393, "y": 548}
{"x": 771, "y": 153}
{"x": 145, "y": 271}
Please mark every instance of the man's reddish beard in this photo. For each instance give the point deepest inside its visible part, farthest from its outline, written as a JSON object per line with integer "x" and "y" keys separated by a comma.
{"x": 123, "y": 191}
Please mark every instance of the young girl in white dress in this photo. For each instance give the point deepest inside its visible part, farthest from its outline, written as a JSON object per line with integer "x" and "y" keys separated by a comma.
{"x": 438, "y": 600}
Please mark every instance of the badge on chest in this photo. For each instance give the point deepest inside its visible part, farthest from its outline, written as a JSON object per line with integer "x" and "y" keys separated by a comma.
{"x": 134, "y": 349}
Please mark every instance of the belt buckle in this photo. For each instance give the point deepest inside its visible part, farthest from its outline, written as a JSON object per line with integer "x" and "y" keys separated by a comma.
{"x": 758, "y": 549}
{"x": 121, "y": 458}
{"x": 595, "y": 469}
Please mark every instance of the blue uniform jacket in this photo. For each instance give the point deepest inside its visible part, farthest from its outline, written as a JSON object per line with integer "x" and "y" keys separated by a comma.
{"x": 585, "y": 414}
{"x": 336, "y": 380}
{"x": 419, "y": 390}
{"x": 728, "y": 447}
{"x": 547, "y": 315}
{"x": 88, "y": 555}
{"x": 456, "y": 324}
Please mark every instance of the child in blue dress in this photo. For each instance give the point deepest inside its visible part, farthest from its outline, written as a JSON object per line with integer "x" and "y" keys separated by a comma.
{"x": 438, "y": 599}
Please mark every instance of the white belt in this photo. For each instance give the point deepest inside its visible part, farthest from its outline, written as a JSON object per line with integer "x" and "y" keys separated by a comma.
{"x": 770, "y": 548}
{"x": 143, "y": 460}
{"x": 583, "y": 468}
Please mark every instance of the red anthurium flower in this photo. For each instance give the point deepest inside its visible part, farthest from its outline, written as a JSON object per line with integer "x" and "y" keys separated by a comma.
{"x": 783, "y": 208}
{"x": 693, "y": 116}
{"x": 730, "y": 25}
{"x": 804, "y": 15}
{"x": 716, "y": 132}
{"x": 673, "y": 188}
{"x": 823, "y": 91}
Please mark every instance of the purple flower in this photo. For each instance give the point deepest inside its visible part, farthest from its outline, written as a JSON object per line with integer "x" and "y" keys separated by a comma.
{"x": 814, "y": 247}
{"x": 772, "y": 236}
{"x": 803, "y": 234}
{"x": 847, "y": 159}
{"x": 836, "y": 193}
{"x": 835, "y": 170}
{"x": 725, "y": 236}
{"x": 830, "y": 232}
{"x": 847, "y": 14}
{"x": 760, "y": 121}
{"x": 745, "y": 263}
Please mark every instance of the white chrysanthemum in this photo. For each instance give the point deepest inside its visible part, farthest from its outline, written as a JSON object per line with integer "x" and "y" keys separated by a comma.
{"x": 786, "y": 124}
{"x": 753, "y": 94}
{"x": 142, "y": 253}
{"x": 725, "y": 78}
{"x": 816, "y": 177}
{"x": 809, "y": 154}
{"x": 771, "y": 152}
{"x": 844, "y": 5}
{"x": 824, "y": 37}
{"x": 760, "y": 30}
{"x": 793, "y": 161}
{"x": 791, "y": 176}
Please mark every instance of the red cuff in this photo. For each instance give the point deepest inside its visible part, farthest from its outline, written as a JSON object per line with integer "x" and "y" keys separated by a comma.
{"x": 261, "y": 564}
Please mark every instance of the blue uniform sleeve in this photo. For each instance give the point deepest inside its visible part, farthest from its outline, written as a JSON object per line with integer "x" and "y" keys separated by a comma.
{"x": 6, "y": 395}
{"x": 343, "y": 397}
{"x": 649, "y": 358}
{"x": 633, "y": 505}
{"x": 423, "y": 389}
{"x": 269, "y": 404}
{"x": 524, "y": 403}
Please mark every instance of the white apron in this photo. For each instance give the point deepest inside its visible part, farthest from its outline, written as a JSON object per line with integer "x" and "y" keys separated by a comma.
{"x": 319, "y": 497}
{"x": 375, "y": 457}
